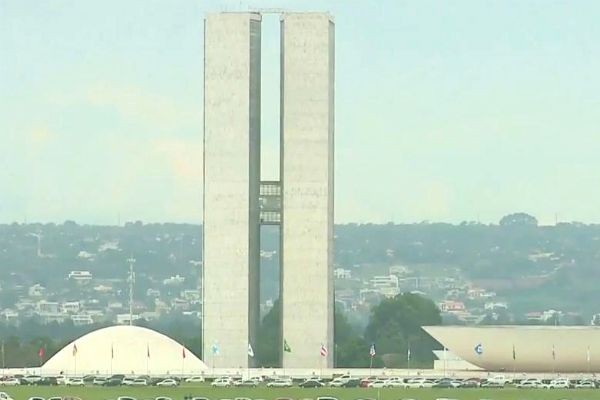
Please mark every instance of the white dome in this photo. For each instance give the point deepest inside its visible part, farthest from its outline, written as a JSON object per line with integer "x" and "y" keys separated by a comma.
{"x": 124, "y": 350}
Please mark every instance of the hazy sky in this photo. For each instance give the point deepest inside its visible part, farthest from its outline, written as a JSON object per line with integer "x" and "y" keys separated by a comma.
{"x": 445, "y": 111}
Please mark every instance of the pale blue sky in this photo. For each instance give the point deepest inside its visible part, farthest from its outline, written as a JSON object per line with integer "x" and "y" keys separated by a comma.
{"x": 445, "y": 110}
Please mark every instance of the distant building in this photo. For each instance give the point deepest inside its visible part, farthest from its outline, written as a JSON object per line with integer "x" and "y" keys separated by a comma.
{"x": 341, "y": 273}
{"x": 80, "y": 276}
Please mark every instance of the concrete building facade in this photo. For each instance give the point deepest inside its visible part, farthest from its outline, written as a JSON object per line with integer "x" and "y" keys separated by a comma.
{"x": 236, "y": 202}
{"x": 307, "y": 127}
{"x": 231, "y": 186}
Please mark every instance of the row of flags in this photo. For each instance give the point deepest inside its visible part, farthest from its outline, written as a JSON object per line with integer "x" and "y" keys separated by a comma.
{"x": 479, "y": 351}
{"x": 42, "y": 351}
{"x": 216, "y": 350}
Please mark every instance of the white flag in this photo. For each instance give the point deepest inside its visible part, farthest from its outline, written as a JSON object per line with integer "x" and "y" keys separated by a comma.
{"x": 250, "y": 351}
{"x": 588, "y": 355}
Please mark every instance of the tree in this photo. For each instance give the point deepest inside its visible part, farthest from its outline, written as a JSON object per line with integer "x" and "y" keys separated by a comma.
{"x": 351, "y": 350}
{"x": 395, "y": 327}
{"x": 519, "y": 219}
{"x": 269, "y": 342}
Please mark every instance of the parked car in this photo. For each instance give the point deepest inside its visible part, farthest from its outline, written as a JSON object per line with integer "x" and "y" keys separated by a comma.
{"x": 395, "y": 382}
{"x": 493, "y": 384}
{"x": 419, "y": 383}
{"x": 352, "y": 383}
{"x": 365, "y": 381}
{"x": 100, "y": 381}
{"x": 36, "y": 398}
{"x": 245, "y": 383}
{"x": 195, "y": 379}
{"x": 585, "y": 384}
{"x": 311, "y": 383}
{"x": 5, "y": 396}
{"x": 48, "y": 381}
{"x": 446, "y": 384}
{"x": 10, "y": 382}
{"x": 560, "y": 383}
{"x": 31, "y": 379}
{"x": 285, "y": 383}
{"x": 470, "y": 383}
{"x": 168, "y": 383}
{"x": 126, "y": 398}
{"x": 378, "y": 383}
{"x": 501, "y": 379}
{"x": 530, "y": 383}
{"x": 222, "y": 382}
{"x": 75, "y": 382}
{"x": 139, "y": 382}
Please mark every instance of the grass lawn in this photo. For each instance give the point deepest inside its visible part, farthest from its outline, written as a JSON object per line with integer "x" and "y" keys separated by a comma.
{"x": 178, "y": 393}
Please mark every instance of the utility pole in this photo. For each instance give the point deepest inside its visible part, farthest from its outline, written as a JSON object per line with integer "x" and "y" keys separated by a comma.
{"x": 131, "y": 261}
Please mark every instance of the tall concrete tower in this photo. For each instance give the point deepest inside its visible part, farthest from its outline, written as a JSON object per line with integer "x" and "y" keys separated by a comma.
{"x": 307, "y": 126}
{"x": 236, "y": 202}
{"x": 231, "y": 248}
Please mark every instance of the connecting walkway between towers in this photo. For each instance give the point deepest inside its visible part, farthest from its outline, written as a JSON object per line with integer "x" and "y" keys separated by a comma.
{"x": 270, "y": 202}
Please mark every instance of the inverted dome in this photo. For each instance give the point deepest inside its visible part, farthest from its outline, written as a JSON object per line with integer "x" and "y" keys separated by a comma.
{"x": 124, "y": 349}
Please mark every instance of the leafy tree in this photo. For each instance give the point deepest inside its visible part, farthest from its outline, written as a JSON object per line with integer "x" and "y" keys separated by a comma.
{"x": 519, "y": 219}
{"x": 395, "y": 324}
{"x": 269, "y": 342}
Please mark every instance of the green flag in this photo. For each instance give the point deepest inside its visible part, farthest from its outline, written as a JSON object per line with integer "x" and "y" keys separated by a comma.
{"x": 286, "y": 346}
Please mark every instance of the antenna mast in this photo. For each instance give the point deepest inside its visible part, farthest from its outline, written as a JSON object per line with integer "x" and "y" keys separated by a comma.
{"x": 131, "y": 261}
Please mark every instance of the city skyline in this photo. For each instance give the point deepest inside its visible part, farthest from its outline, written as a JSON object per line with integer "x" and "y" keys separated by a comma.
{"x": 470, "y": 112}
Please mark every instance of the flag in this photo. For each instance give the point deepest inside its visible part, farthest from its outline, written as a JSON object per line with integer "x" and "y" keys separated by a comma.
{"x": 112, "y": 352}
{"x": 250, "y": 351}
{"x": 323, "y": 350}
{"x": 514, "y": 353}
{"x": 372, "y": 351}
{"x": 147, "y": 350}
{"x": 408, "y": 354}
{"x": 588, "y": 356}
{"x": 74, "y": 349}
{"x": 553, "y": 353}
{"x": 286, "y": 346}
{"x": 215, "y": 349}
{"x": 41, "y": 353}
{"x": 183, "y": 352}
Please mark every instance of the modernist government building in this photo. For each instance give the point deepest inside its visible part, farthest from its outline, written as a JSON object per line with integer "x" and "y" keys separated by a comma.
{"x": 237, "y": 202}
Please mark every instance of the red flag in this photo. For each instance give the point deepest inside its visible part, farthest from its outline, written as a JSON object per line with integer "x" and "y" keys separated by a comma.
{"x": 42, "y": 354}
{"x": 183, "y": 352}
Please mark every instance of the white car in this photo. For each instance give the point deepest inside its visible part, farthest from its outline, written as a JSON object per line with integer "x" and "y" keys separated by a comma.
{"x": 168, "y": 383}
{"x": 127, "y": 381}
{"x": 126, "y": 398}
{"x": 139, "y": 382}
{"x": 378, "y": 383}
{"x": 99, "y": 381}
{"x": 10, "y": 382}
{"x": 195, "y": 379}
{"x": 419, "y": 383}
{"x": 396, "y": 383}
{"x": 585, "y": 385}
{"x": 284, "y": 383}
{"x": 561, "y": 383}
{"x": 5, "y": 396}
{"x": 222, "y": 382}
{"x": 530, "y": 383}
{"x": 75, "y": 382}
{"x": 499, "y": 379}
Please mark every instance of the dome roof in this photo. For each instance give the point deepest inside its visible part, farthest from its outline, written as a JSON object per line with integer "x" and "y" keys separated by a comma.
{"x": 124, "y": 350}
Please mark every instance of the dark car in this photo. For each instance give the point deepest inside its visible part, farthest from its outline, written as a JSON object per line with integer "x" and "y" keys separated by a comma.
{"x": 311, "y": 383}
{"x": 444, "y": 385}
{"x": 351, "y": 383}
{"x": 470, "y": 383}
{"x": 48, "y": 381}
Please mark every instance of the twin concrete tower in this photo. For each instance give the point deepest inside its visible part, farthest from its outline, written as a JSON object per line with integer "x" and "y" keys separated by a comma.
{"x": 237, "y": 202}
